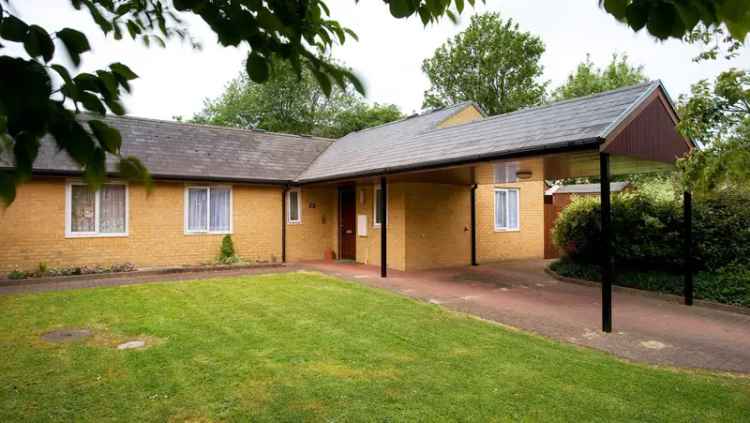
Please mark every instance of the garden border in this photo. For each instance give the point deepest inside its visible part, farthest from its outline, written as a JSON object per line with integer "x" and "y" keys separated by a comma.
{"x": 652, "y": 294}
{"x": 135, "y": 273}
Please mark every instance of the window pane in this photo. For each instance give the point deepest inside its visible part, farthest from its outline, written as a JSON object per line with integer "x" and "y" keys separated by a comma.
{"x": 112, "y": 209}
{"x": 513, "y": 209}
{"x": 294, "y": 206}
{"x": 378, "y": 203}
{"x": 219, "y": 210}
{"x": 501, "y": 209}
{"x": 197, "y": 209}
{"x": 506, "y": 173}
{"x": 82, "y": 209}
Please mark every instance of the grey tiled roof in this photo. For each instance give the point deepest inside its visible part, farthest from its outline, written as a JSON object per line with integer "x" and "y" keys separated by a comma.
{"x": 404, "y": 145}
{"x": 585, "y": 188}
{"x": 180, "y": 150}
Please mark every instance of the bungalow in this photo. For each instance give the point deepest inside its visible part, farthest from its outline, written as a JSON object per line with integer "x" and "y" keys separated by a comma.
{"x": 444, "y": 188}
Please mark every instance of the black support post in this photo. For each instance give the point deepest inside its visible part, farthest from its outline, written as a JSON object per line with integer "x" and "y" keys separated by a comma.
{"x": 474, "y": 225}
{"x": 606, "y": 248}
{"x": 283, "y": 224}
{"x": 383, "y": 226}
{"x": 687, "y": 210}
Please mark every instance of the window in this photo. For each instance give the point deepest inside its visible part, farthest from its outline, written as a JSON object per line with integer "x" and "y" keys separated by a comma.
{"x": 378, "y": 219}
{"x": 506, "y": 210}
{"x": 506, "y": 173}
{"x": 293, "y": 208}
{"x": 208, "y": 210}
{"x": 96, "y": 213}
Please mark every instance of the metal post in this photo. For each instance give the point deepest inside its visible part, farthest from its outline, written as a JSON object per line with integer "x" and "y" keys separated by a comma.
{"x": 687, "y": 210}
{"x": 283, "y": 224}
{"x": 383, "y": 231}
{"x": 606, "y": 247}
{"x": 474, "y": 225}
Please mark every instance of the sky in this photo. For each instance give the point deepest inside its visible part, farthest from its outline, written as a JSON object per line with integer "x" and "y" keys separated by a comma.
{"x": 174, "y": 81}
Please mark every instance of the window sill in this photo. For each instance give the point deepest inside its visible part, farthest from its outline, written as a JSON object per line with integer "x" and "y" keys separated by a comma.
{"x": 298, "y": 222}
{"x": 209, "y": 233}
{"x": 507, "y": 230}
{"x": 95, "y": 235}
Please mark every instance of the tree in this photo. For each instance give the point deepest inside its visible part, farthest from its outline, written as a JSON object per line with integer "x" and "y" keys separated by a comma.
{"x": 588, "y": 79}
{"x": 492, "y": 63}
{"x": 36, "y": 95}
{"x": 292, "y": 104}
{"x": 717, "y": 117}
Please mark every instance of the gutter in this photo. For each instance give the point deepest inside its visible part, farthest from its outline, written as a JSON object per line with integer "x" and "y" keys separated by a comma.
{"x": 562, "y": 147}
{"x": 77, "y": 173}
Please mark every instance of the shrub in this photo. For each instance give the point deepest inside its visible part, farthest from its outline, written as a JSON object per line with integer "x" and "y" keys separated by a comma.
{"x": 17, "y": 274}
{"x": 648, "y": 232}
{"x": 730, "y": 285}
{"x": 227, "y": 254}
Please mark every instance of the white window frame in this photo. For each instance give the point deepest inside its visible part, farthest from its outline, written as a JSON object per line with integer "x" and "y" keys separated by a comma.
{"x": 289, "y": 206}
{"x": 507, "y": 217}
{"x": 510, "y": 178}
{"x": 97, "y": 215}
{"x": 208, "y": 230}
{"x": 375, "y": 192}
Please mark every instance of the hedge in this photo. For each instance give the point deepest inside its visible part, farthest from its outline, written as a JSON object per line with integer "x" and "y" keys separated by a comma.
{"x": 648, "y": 245}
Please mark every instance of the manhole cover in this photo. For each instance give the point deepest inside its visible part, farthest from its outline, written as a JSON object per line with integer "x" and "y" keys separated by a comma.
{"x": 131, "y": 344}
{"x": 66, "y": 335}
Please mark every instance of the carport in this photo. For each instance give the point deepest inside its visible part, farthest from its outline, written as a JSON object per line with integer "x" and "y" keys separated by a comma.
{"x": 621, "y": 132}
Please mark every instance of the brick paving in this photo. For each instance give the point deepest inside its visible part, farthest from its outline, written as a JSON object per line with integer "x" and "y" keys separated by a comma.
{"x": 521, "y": 295}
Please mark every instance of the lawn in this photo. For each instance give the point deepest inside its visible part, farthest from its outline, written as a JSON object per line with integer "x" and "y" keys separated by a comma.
{"x": 303, "y": 346}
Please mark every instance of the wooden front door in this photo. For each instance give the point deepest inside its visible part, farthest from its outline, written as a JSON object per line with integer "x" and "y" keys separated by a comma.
{"x": 347, "y": 223}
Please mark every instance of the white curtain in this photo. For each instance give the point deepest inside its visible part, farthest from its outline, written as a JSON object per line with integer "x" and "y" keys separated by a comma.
{"x": 82, "y": 209}
{"x": 501, "y": 211}
{"x": 219, "y": 209}
{"x": 513, "y": 209}
{"x": 112, "y": 209}
{"x": 197, "y": 209}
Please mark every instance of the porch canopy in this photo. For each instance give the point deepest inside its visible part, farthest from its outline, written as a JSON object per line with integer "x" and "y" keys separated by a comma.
{"x": 621, "y": 132}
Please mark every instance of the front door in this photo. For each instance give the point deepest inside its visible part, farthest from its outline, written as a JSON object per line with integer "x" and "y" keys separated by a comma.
{"x": 347, "y": 223}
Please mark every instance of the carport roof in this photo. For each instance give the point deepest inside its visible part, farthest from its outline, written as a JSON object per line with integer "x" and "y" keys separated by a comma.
{"x": 419, "y": 142}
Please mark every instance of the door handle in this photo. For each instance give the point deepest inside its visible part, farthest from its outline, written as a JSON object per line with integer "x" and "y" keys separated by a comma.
{"x": 348, "y": 231}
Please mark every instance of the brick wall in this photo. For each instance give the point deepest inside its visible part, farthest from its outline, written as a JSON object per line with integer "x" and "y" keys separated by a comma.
{"x": 32, "y": 229}
{"x": 528, "y": 241}
{"x": 317, "y": 231}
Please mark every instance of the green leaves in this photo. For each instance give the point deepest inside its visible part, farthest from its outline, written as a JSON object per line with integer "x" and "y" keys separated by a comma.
{"x": 402, "y": 8}
{"x": 257, "y": 68}
{"x": 109, "y": 138}
{"x": 13, "y": 29}
{"x": 676, "y": 19}
{"x": 131, "y": 169}
{"x": 38, "y": 43}
{"x": 75, "y": 43}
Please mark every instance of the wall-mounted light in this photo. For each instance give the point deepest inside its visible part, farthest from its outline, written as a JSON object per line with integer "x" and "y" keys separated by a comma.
{"x": 523, "y": 174}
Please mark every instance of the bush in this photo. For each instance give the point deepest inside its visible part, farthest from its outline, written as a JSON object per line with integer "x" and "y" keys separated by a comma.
{"x": 648, "y": 232}
{"x": 645, "y": 232}
{"x": 227, "y": 254}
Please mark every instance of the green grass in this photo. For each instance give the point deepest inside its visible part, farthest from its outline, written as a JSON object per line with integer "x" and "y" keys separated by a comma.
{"x": 302, "y": 346}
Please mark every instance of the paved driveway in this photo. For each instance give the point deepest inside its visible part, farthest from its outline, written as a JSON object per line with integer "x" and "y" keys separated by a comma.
{"x": 520, "y": 294}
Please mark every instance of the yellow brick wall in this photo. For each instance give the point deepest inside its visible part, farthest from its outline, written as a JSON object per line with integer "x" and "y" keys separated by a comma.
{"x": 32, "y": 229}
{"x": 469, "y": 114}
{"x": 368, "y": 247}
{"x": 316, "y": 233}
{"x": 438, "y": 223}
{"x": 528, "y": 241}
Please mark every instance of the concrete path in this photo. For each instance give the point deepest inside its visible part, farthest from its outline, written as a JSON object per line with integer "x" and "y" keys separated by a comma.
{"x": 520, "y": 294}
{"x": 132, "y": 279}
